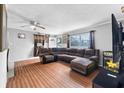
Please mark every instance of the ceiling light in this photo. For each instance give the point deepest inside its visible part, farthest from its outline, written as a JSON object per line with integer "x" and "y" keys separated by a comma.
{"x": 33, "y": 27}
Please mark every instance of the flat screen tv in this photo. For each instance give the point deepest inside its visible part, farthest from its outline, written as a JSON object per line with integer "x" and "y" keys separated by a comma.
{"x": 116, "y": 39}
{"x": 117, "y": 30}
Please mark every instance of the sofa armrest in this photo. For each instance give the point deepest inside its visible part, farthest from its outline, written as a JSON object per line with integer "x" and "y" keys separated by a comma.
{"x": 43, "y": 54}
{"x": 94, "y": 58}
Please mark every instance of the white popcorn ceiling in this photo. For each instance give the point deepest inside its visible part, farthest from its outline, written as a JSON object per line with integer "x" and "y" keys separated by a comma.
{"x": 60, "y": 18}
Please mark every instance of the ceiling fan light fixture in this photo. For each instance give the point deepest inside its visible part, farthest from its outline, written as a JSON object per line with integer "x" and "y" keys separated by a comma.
{"x": 33, "y": 27}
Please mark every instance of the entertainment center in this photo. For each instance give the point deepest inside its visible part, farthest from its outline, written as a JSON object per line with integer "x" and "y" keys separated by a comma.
{"x": 112, "y": 73}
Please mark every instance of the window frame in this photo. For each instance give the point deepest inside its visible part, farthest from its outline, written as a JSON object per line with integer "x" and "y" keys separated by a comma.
{"x": 80, "y": 36}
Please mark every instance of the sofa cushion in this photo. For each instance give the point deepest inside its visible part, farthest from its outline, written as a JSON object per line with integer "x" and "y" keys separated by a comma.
{"x": 71, "y": 51}
{"x": 80, "y": 52}
{"x": 68, "y": 55}
{"x": 80, "y": 63}
{"x": 43, "y": 50}
{"x": 68, "y": 51}
{"x": 94, "y": 58}
{"x": 65, "y": 57}
{"x": 54, "y": 49}
{"x": 59, "y": 50}
{"x": 89, "y": 52}
{"x": 49, "y": 57}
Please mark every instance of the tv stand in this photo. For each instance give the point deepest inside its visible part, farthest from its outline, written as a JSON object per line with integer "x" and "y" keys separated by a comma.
{"x": 106, "y": 80}
{"x": 114, "y": 76}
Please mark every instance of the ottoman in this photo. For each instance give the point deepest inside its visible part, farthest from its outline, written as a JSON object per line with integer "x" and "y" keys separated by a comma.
{"x": 48, "y": 58}
{"x": 82, "y": 65}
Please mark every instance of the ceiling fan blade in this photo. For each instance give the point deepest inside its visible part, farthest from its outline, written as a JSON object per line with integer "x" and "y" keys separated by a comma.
{"x": 24, "y": 25}
{"x": 31, "y": 22}
{"x": 19, "y": 15}
{"x": 40, "y": 26}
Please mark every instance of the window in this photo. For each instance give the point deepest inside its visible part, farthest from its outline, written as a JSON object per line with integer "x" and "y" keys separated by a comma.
{"x": 52, "y": 42}
{"x": 80, "y": 40}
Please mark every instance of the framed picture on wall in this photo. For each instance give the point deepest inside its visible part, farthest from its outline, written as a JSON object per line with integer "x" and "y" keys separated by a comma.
{"x": 21, "y": 35}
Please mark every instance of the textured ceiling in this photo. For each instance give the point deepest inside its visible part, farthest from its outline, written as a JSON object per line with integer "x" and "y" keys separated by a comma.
{"x": 60, "y": 18}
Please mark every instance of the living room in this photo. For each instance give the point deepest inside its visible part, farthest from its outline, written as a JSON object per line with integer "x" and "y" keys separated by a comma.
{"x": 49, "y": 42}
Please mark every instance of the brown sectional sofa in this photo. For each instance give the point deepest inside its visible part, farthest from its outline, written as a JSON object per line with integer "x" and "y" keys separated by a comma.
{"x": 81, "y": 60}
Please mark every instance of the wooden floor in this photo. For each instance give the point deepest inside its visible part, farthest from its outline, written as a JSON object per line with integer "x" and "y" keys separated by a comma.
{"x": 33, "y": 74}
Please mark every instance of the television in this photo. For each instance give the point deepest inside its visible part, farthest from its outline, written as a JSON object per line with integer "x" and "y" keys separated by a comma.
{"x": 116, "y": 40}
{"x": 115, "y": 63}
{"x": 117, "y": 45}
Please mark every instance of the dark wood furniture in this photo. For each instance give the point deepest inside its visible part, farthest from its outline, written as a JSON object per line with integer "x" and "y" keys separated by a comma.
{"x": 39, "y": 41}
{"x": 105, "y": 80}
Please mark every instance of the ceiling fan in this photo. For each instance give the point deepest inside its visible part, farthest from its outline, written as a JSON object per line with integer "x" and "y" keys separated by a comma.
{"x": 34, "y": 25}
{"x": 31, "y": 23}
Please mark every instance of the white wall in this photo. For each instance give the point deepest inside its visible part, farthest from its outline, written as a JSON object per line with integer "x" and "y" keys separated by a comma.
{"x": 3, "y": 69}
{"x": 20, "y": 49}
{"x": 103, "y": 37}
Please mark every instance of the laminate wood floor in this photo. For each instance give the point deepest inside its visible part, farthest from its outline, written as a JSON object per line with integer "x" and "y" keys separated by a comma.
{"x": 33, "y": 74}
